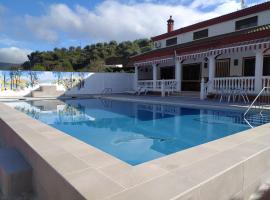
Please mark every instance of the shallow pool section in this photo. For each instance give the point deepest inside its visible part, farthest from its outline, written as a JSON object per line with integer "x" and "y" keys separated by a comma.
{"x": 134, "y": 132}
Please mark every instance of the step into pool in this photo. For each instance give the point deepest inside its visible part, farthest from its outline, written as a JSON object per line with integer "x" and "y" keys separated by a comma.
{"x": 135, "y": 132}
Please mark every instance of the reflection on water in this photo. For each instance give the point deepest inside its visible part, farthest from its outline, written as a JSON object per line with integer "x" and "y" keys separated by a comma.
{"x": 134, "y": 132}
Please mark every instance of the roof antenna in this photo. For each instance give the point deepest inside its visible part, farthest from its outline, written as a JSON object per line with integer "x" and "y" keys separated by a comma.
{"x": 243, "y": 4}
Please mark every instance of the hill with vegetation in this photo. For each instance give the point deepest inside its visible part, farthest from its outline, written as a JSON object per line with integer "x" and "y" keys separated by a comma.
{"x": 92, "y": 58}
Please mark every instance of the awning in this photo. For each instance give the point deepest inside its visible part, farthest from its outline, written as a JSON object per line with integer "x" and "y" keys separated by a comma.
{"x": 253, "y": 45}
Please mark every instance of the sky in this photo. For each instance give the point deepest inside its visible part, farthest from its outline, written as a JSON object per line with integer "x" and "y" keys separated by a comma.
{"x": 41, "y": 25}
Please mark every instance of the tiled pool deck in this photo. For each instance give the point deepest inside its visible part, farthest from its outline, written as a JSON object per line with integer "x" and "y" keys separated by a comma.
{"x": 66, "y": 168}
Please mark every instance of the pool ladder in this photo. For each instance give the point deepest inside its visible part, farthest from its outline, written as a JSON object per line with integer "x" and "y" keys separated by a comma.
{"x": 261, "y": 107}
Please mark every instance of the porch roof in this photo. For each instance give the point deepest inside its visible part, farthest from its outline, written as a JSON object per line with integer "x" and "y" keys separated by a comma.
{"x": 248, "y": 39}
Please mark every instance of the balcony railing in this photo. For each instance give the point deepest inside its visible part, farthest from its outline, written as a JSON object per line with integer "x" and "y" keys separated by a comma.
{"x": 266, "y": 83}
{"x": 228, "y": 83}
{"x": 146, "y": 84}
{"x": 157, "y": 86}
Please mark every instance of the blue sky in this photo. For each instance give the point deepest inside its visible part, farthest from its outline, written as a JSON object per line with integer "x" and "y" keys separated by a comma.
{"x": 30, "y": 25}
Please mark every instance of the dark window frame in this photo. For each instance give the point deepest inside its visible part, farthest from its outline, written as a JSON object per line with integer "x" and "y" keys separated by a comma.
{"x": 264, "y": 70}
{"x": 229, "y": 71}
{"x": 186, "y": 79}
{"x": 246, "y": 23}
{"x": 171, "y": 41}
{"x": 243, "y": 65}
{"x": 167, "y": 69}
{"x": 204, "y": 34}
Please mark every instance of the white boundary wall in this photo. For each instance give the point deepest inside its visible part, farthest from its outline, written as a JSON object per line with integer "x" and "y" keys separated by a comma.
{"x": 71, "y": 83}
{"x": 95, "y": 83}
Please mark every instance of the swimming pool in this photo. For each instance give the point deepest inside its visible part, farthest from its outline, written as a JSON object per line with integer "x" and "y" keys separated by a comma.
{"x": 134, "y": 132}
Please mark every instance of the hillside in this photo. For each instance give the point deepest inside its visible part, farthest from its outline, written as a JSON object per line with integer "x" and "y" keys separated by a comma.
{"x": 90, "y": 58}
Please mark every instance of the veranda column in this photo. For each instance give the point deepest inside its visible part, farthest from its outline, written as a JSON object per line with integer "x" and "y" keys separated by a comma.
{"x": 212, "y": 72}
{"x": 154, "y": 76}
{"x": 258, "y": 71}
{"x": 136, "y": 77}
{"x": 178, "y": 75}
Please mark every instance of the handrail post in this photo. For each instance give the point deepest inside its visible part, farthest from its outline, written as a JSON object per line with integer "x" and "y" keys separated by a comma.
{"x": 254, "y": 101}
{"x": 202, "y": 93}
{"x": 162, "y": 88}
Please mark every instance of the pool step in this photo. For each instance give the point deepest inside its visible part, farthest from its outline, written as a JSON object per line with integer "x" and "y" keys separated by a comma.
{"x": 47, "y": 91}
{"x": 15, "y": 173}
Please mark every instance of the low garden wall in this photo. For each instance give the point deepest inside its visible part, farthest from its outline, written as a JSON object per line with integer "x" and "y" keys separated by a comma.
{"x": 22, "y": 83}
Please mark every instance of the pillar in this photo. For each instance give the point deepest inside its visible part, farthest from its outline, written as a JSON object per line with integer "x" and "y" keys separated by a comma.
{"x": 178, "y": 75}
{"x": 258, "y": 71}
{"x": 154, "y": 76}
{"x": 136, "y": 77}
{"x": 212, "y": 71}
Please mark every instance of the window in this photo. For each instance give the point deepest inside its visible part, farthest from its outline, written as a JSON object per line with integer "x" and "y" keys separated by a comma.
{"x": 167, "y": 73}
{"x": 223, "y": 68}
{"x": 191, "y": 72}
{"x": 200, "y": 34}
{"x": 171, "y": 42}
{"x": 246, "y": 23}
{"x": 266, "y": 66}
{"x": 249, "y": 66}
{"x": 235, "y": 62}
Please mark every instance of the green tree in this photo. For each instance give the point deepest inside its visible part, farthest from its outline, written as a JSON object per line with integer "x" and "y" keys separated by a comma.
{"x": 92, "y": 57}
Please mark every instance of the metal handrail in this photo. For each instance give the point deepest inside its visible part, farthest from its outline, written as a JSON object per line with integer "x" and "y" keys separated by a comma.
{"x": 257, "y": 97}
{"x": 106, "y": 91}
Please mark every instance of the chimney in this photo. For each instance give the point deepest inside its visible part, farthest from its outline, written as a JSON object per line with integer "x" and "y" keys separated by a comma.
{"x": 170, "y": 24}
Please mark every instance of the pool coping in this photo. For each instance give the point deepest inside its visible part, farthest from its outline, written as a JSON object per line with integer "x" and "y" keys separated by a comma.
{"x": 89, "y": 173}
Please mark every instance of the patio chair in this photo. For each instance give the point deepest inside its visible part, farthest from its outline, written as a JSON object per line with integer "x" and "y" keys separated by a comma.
{"x": 143, "y": 91}
{"x": 238, "y": 94}
{"x": 225, "y": 94}
{"x": 134, "y": 92}
{"x": 171, "y": 88}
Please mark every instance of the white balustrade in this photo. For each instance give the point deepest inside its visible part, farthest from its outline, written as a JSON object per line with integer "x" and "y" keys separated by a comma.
{"x": 169, "y": 85}
{"x": 266, "y": 83}
{"x": 146, "y": 84}
{"x": 227, "y": 83}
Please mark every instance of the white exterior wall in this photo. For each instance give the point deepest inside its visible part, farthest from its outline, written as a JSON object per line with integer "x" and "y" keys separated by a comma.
{"x": 221, "y": 28}
{"x": 237, "y": 70}
{"x": 96, "y": 82}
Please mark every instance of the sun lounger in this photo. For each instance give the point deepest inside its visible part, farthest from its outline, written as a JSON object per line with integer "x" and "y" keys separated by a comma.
{"x": 139, "y": 91}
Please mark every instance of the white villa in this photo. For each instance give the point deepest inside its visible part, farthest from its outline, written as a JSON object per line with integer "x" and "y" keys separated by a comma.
{"x": 230, "y": 51}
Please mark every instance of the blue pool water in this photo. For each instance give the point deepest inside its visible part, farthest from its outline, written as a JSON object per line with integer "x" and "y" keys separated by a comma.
{"x": 134, "y": 132}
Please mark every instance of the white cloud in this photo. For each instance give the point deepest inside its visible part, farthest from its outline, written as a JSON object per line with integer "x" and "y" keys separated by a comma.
{"x": 13, "y": 55}
{"x": 112, "y": 20}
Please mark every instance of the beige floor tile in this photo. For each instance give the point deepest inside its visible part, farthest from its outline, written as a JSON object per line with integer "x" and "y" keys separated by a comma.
{"x": 193, "y": 194}
{"x": 99, "y": 159}
{"x": 65, "y": 163}
{"x": 224, "y": 186}
{"x": 74, "y": 146}
{"x": 93, "y": 185}
{"x": 116, "y": 170}
{"x": 256, "y": 166}
{"x": 131, "y": 176}
{"x": 184, "y": 158}
{"x": 162, "y": 188}
{"x": 207, "y": 168}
